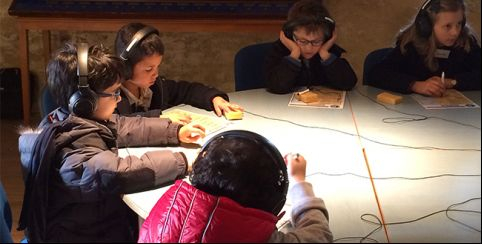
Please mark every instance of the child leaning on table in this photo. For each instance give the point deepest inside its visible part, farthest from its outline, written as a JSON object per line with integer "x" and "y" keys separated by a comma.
{"x": 75, "y": 177}
{"x": 145, "y": 92}
{"x": 437, "y": 51}
{"x": 239, "y": 186}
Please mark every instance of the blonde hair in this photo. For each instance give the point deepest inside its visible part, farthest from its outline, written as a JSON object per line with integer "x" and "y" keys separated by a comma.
{"x": 427, "y": 46}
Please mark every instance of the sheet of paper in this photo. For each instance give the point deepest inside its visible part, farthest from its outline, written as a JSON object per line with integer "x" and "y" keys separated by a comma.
{"x": 210, "y": 123}
{"x": 326, "y": 98}
{"x": 451, "y": 99}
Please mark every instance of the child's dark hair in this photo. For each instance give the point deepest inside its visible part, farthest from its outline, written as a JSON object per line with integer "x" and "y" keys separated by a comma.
{"x": 240, "y": 166}
{"x": 307, "y": 14}
{"x": 151, "y": 44}
{"x": 104, "y": 69}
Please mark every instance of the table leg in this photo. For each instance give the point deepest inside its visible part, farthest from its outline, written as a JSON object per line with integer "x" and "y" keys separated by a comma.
{"x": 24, "y": 72}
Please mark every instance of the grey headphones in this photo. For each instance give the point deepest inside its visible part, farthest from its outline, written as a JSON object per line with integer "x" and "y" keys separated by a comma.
{"x": 84, "y": 101}
{"x": 135, "y": 40}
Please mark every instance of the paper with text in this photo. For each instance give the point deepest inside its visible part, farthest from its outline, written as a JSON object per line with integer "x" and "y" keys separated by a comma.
{"x": 210, "y": 122}
{"x": 451, "y": 99}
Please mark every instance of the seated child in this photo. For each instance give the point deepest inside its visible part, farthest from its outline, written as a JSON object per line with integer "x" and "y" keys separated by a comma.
{"x": 438, "y": 51}
{"x": 239, "y": 186}
{"x": 75, "y": 178}
{"x": 306, "y": 53}
{"x": 147, "y": 93}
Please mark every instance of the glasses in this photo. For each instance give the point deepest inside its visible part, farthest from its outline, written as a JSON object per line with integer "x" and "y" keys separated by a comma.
{"x": 116, "y": 94}
{"x": 302, "y": 42}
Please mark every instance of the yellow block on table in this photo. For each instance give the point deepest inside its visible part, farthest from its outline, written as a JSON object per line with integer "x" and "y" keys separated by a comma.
{"x": 233, "y": 115}
{"x": 388, "y": 98}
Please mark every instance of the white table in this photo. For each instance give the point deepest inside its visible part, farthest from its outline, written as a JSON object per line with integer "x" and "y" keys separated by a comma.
{"x": 404, "y": 200}
{"x": 335, "y": 148}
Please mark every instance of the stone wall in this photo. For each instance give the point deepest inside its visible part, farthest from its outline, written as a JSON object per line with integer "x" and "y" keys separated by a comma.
{"x": 362, "y": 25}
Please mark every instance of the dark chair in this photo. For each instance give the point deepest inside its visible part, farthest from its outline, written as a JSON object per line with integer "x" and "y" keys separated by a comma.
{"x": 373, "y": 58}
{"x": 5, "y": 217}
{"x": 248, "y": 66}
{"x": 47, "y": 102}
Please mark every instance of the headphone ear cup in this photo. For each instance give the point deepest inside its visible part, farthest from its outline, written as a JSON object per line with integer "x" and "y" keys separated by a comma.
{"x": 328, "y": 31}
{"x": 288, "y": 29}
{"x": 83, "y": 103}
{"x": 128, "y": 67}
{"x": 423, "y": 24}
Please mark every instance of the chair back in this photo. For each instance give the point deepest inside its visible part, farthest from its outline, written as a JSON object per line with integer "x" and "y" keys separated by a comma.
{"x": 47, "y": 102}
{"x": 249, "y": 66}
{"x": 373, "y": 58}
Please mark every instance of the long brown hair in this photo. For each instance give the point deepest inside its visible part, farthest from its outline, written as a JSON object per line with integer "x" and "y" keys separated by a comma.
{"x": 427, "y": 46}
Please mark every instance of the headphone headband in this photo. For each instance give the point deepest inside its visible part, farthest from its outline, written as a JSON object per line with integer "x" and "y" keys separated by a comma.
{"x": 82, "y": 64}
{"x": 424, "y": 6}
{"x": 141, "y": 34}
{"x": 83, "y": 102}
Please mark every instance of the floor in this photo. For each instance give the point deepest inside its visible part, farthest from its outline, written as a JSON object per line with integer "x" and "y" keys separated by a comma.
{"x": 10, "y": 171}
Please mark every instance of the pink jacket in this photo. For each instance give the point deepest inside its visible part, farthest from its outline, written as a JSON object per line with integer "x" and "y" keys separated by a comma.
{"x": 186, "y": 214}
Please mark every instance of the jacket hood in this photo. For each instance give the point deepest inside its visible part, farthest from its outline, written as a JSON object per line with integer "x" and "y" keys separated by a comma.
{"x": 186, "y": 214}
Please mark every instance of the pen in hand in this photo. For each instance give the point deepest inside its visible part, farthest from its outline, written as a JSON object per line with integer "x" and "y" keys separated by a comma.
{"x": 443, "y": 83}
{"x": 443, "y": 78}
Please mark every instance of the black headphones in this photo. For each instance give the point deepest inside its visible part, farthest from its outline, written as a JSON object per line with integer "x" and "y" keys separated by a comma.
{"x": 84, "y": 101}
{"x": 327, "y": 23}
{"x": 268, "y": 148}
{"x": 423, "y": 22}
{"x": 135, "y": 40}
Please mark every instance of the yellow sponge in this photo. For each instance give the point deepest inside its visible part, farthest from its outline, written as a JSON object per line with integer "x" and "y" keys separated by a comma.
{"x": 388, "y": 98}
{"x": 232, "y": 115}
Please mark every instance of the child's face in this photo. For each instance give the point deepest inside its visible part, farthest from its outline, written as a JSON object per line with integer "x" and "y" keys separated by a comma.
{"x": 309, "y": 44}
{"x": 107, "y": 102}
{"x": 145, "y": 72}
{"x": 447, "y": 27}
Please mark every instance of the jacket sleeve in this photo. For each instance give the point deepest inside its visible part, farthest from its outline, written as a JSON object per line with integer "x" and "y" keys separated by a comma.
{"x": 191, "y": 93}
{"x": 280, "y": 70}
{"x": 388, "y": 74}
{"x": 107, "y": 173}
{"x": 141, "y": 131}
{"x": 340, "y": 74}
{"x": 470, "y": 79}
{"x": 309, "y": 216}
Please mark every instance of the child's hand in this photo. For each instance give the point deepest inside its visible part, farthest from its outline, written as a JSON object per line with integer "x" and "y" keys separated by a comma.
{"x": 179, "y": 118}
{"x": 291, "y": 45}
{"x": 191, "y": 133}
{"x": 191, "y": 156}
{"x": 296, "y": 165}
{"x": 222, "y": 106}
{"x": 433, "y": 87}
{"x": 324, "y": 51}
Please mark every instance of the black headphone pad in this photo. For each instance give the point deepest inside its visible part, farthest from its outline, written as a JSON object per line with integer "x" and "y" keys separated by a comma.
{"x": 423, "y": 24}
{"x": 83, "y": 102}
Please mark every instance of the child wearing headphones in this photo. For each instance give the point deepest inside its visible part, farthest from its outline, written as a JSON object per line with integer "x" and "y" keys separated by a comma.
{"x": 145, "y": 92}
{"x": 438, "y": 51}
{"x": 239, "y": 186}
{"x": 76, "y": 179}
{"x": 306, "y": 53}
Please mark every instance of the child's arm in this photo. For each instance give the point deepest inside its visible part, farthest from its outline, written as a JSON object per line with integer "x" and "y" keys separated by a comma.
{"x": 111, "y": 174}
{"x": 141, "y": 131}
{"x": 309, "y": 214}
{"x": 281, "y": 69}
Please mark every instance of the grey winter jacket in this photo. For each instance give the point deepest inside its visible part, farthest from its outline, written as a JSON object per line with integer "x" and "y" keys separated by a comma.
{"x": 86, "y": 186}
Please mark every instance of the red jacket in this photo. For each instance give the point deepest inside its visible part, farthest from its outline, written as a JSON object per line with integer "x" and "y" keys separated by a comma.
{"x": 186, "y": 214}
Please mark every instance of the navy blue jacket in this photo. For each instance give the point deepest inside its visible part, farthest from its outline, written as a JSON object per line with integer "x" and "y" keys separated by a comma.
{"x": 397, "y": 71}
{"x": 283, "y": 74}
